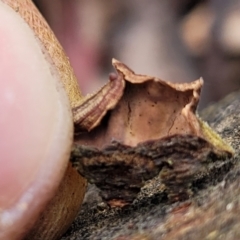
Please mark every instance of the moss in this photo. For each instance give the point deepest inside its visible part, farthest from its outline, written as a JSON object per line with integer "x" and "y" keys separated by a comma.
{"x": 214, "y": 138}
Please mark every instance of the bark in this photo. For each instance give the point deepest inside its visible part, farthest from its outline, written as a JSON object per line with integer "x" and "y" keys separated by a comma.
{"x": 211, "y": 213}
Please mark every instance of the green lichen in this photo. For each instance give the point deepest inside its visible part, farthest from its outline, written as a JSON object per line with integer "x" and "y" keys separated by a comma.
{"x": 212, "y": 137}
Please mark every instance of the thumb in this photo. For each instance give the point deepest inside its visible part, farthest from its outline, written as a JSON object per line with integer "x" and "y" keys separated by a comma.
{"x": 35, "y": 126}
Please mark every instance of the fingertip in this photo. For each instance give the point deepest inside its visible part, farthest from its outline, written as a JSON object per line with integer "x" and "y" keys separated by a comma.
{"x": 35, "y": 124}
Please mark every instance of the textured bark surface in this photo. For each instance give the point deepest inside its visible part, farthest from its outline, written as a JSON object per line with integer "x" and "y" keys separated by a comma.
{"x": 211, "y": 213}
{"x": 182, "y": 161}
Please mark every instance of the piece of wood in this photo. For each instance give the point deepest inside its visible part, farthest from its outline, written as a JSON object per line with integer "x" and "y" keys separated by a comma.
{"x": 213, "y": 211}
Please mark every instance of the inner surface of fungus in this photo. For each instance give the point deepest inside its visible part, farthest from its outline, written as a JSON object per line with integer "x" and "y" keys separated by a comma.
{"x": 146, "y": 108}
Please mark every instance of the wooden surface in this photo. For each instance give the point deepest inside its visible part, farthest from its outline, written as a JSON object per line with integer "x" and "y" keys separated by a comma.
{"x": 212, "y": 212}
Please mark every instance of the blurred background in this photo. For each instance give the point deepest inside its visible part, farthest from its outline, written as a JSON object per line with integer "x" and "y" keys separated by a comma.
{"x": 175, "y": 40}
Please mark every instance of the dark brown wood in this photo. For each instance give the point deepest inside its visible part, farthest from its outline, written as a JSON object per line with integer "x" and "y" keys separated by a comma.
{"x": 211, "y": 212}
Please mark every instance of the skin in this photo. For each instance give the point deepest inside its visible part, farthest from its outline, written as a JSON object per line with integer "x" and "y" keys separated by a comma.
{"x": 36, "y": 123}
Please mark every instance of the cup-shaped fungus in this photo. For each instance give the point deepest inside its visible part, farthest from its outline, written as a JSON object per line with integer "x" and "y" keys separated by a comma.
{"x": 143, "y": 126}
